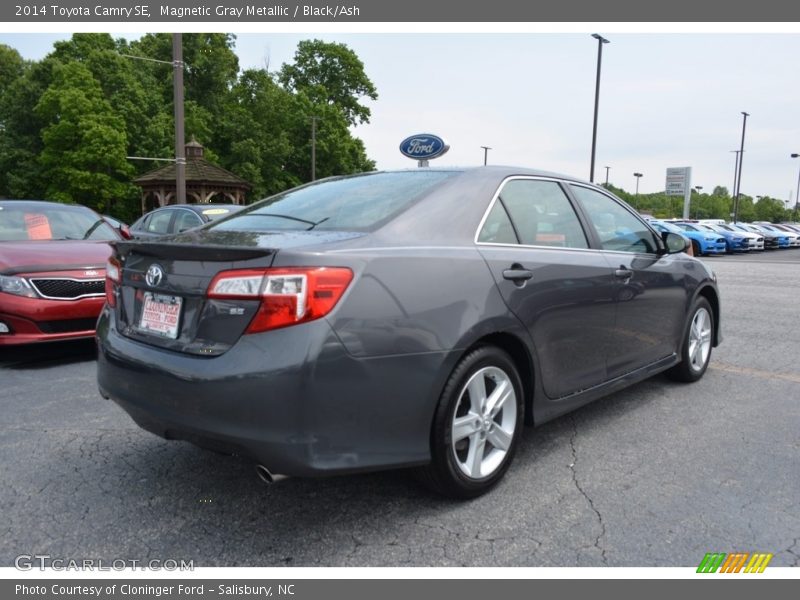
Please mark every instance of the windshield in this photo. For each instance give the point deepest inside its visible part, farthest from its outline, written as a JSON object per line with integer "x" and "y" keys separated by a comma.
{"x": 360, "y": 203}
{"x": 661, "y": 226}
{"x": 54, "y": 221}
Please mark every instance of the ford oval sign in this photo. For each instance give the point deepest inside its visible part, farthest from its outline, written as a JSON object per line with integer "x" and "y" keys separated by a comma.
{"x": 423, "y": 146}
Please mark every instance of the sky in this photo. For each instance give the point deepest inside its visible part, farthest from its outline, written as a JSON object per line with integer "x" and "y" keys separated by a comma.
{"x": 666, "y": 100}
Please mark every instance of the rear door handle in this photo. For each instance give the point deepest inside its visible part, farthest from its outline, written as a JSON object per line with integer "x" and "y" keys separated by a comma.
{"x": 623, "y": 273}
{"x": 517, "y": 274}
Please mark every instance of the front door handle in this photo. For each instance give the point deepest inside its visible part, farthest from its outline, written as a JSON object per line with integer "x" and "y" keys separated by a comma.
{"x": 623, "y": 273}
{"x": 517, "y": 274}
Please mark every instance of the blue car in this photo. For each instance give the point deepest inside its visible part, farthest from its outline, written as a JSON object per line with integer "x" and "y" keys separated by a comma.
{"x": 734, "y": 241}
{"x": 703, "y": 242}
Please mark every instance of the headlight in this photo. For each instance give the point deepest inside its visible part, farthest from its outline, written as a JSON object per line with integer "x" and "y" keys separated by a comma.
{"x": 17, "y": 286}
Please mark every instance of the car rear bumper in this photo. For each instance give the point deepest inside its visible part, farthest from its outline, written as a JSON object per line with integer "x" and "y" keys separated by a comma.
{"x": 291, "y": 399}
{"x": 33, "y": 320}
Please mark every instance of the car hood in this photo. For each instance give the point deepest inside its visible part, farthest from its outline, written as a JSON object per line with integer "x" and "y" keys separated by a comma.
{"x": 52, "y": 255}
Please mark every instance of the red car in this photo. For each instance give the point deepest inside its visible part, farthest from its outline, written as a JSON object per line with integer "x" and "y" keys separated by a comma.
{"x": 52, "y": 270}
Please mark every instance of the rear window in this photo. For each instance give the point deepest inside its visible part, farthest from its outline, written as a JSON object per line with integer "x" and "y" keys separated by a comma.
{"x": 216, "y": 212}
{"x": 359, "y": 203}
{"x": 52, "y": 222}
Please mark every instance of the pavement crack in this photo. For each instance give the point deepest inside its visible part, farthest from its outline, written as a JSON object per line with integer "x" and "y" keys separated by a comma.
{"x": 794, "y": 553}
{"x": 573, "y": 469}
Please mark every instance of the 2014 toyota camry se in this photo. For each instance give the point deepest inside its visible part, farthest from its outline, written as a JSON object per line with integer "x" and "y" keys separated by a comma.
{"x": 399, "y": 319}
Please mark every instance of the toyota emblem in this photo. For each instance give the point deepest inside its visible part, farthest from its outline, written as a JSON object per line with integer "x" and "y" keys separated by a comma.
{"x": 154, "y": 275}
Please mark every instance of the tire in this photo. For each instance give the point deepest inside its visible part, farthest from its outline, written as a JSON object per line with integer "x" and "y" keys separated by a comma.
{"x": 489, "y": 435}
{"x": 696, "y": 249}
{"x": 697, "y": 344}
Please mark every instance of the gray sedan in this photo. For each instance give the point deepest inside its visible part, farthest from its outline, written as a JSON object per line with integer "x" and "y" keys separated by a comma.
{"x": 399, "y": 319}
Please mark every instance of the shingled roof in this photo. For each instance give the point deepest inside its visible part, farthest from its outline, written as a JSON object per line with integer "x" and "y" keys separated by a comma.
{"x": 198, "y": 170}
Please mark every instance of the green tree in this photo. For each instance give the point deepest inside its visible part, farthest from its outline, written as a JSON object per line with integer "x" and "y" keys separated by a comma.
{"x": 83, "y": 158}
{"x": 769, "y": 209}
{"x": 720, "y": 190}
{"x": 330, "y": 74}
{"x": 211, "y": 68}
{"x": 254, "y": 140}
{"x": 20, "y": 134}
{"x": 12, "y": 69}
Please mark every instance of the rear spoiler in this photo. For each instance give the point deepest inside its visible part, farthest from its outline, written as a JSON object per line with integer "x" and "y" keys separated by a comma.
{"x": 190, "y": 252}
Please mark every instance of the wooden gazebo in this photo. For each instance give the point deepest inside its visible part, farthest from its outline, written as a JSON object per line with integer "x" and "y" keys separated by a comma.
{"x": 205, "y": 182}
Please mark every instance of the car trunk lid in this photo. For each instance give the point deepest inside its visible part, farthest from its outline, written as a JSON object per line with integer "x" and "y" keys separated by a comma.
{"x": 162, "y": 295}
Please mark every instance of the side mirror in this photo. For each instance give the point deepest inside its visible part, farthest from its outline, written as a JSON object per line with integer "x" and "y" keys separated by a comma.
{"x": 674, "y": 242}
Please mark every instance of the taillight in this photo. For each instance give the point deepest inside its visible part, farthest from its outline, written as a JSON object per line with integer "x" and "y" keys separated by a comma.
{"x": 113, "y": 277}
{"x": 288, "y": 296}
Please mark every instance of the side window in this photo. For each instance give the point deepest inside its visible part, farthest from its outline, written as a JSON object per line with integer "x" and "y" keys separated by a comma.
{"x": 141, "y": 223}
{"x": 616, "y": 227}
{"x": 159, "y": 222}
{"x": 497, "y": 228}
{"x": 186, "y": 219}
{"x": 541, "y": 214}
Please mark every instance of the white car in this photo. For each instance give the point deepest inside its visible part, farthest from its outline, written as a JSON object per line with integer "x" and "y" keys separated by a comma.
{"x": 794, "y": 237}
{"x": 755, "y": 241}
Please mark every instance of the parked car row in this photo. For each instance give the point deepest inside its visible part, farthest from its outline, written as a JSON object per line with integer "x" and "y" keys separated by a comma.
{"x": 716, "y": 237}
{"x": 53, "y": 263}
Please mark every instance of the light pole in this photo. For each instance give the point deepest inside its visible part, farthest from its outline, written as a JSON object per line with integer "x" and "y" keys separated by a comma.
{"x": 797, "y": 192}
{"x": 637, "y": 175}
{"x": 739, "y": 177}
{"x": 607, "y": 170}
{"x": 485, "y": 154}
{"x": 600, "y": 41}
{"x": 698, "y": 189}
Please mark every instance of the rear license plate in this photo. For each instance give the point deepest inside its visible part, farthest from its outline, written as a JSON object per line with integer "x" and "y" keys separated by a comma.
{"x": 161, "y": 314}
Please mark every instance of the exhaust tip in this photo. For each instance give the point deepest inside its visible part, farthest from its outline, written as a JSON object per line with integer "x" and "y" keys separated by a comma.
{"x": 267, "y": 476}
{"x": 264, "y": 475}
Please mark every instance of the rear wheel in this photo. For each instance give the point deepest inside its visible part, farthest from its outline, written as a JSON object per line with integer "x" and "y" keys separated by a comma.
{"x": 697, "y": 344}
{"x": 477, "y": 425}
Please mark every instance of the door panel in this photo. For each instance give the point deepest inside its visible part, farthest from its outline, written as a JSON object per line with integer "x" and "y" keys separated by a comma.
{"x": 563, "y": 292}
{"x": 568, "y": 307}
{"x": 651, "y": 305}
{"x": 650, "y": 285}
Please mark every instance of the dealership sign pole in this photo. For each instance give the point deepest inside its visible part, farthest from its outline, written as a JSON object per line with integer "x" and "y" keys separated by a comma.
{"x": 423, "y": 147}
{"x": 679, "y": 183}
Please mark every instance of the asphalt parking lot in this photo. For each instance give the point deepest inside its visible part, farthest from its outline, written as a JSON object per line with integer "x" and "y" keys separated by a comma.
{"x": 656, "y": 475}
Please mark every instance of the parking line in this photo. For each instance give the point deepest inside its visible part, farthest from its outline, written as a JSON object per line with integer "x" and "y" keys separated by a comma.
{"x": 755, "y": 372}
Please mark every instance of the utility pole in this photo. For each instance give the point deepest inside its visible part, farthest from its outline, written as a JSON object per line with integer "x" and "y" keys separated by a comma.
{"x": 485, "y": 154}
{"x": 180, "y": 142}
{"x": 607, "y": 170}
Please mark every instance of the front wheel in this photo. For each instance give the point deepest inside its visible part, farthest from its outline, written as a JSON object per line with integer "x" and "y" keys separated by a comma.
{"x": 697, "y": 344}
{"x": 477, "y": 425}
